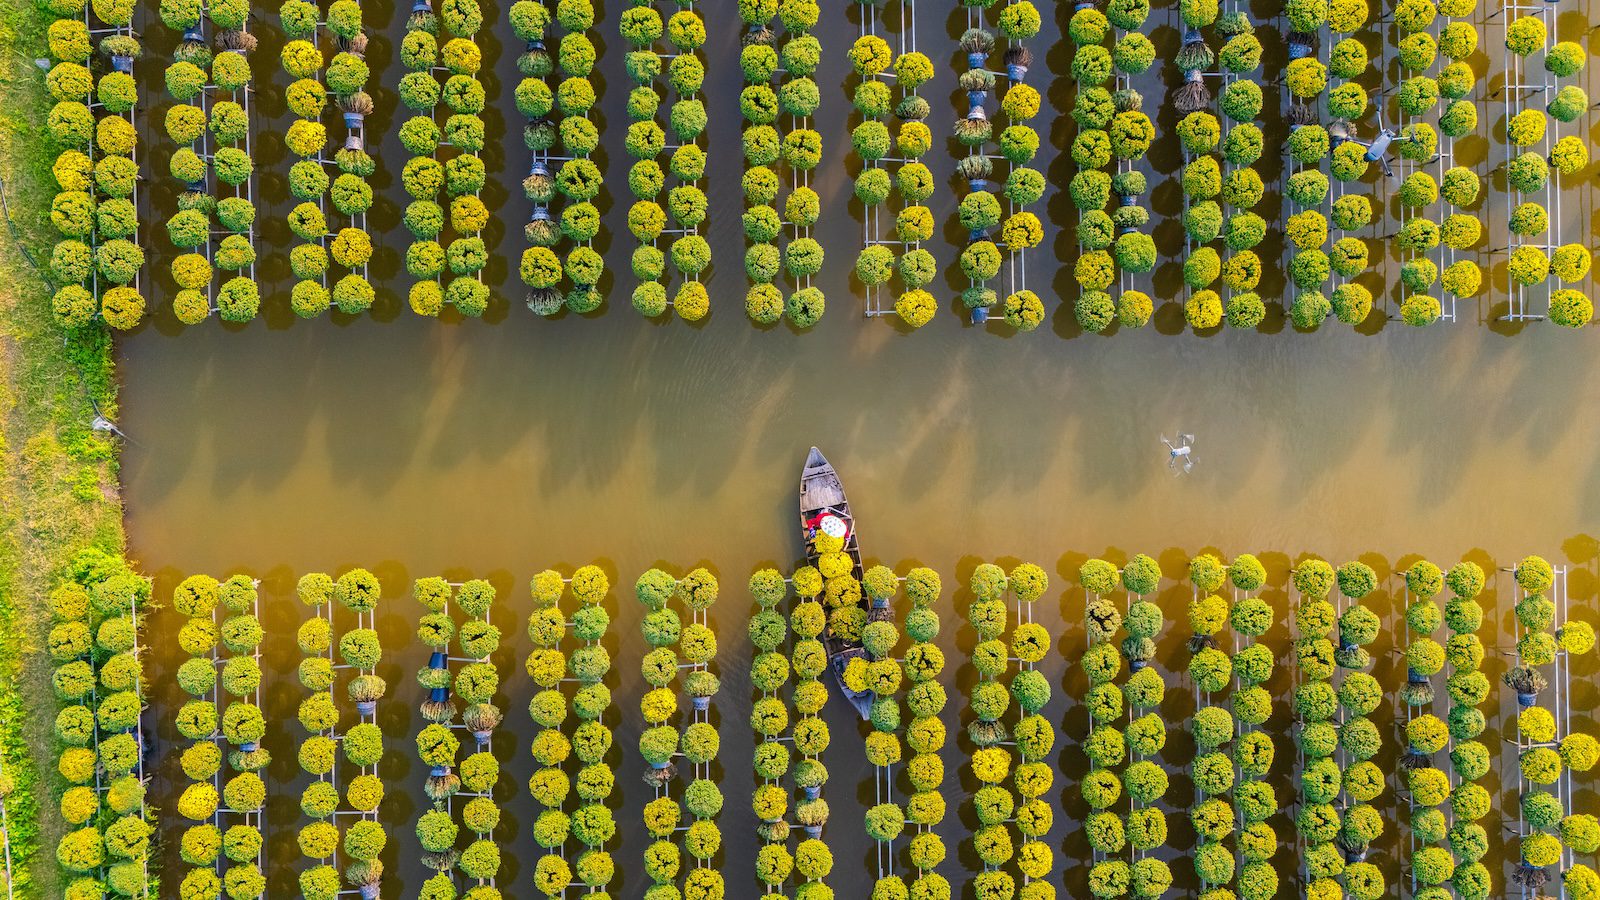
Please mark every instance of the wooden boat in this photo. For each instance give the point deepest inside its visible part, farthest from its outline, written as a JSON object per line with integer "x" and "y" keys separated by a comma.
{"x": 821, "y": 492}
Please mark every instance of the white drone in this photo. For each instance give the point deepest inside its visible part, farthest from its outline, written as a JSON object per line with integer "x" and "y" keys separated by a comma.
{"x": 1179, "y": 458}
{"x": 1375, "y": 150}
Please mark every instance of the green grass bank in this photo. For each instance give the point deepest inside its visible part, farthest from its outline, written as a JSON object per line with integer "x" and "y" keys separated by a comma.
{"x": 58, "y": 478}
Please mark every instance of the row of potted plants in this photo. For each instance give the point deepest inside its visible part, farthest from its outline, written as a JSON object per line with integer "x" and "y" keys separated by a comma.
{"x": 1336, "y": 820}
{"x": 99, "y": 688}
{"x": 1200, "y": 134}
{"x": 882, "y": 674}
{"x": 1017, "y": 142}
{"x": 423, "y": 175}
{"x": 980, "y": 257}
{"x": 881, "y": 76}
{"x": 1547, "y": 828}
{"x": 558, "y": 117}
{"x": 1212, "y": 726}
{"x": 1449, "y": 850}
{"x": 1359, "y": 738}
{"x": 809, "y": 734}
{"x": 762, "y": 146}
{"x": 1426, "y": 734}
{"x": 677, "y": 225}
{"x": 661, "y": 741}
{"x": 1237, "y": 186}
{"x": 1536, "y": 133}
{"x": 349, "y": 247}
{"x": 991, "y": 762}
{"x": 1416, "y": 96}
{"x": 789, "y": 142}
{"x": 1020, "y": 104}
{"x": 1249, "y": 708}
{"x": 541, "y": 266}
{"x": 1122, "y": 844}
{"x": 427, "y": 52}
{"x": 800, "y": 151}
{"x": 1306, "y": 183}
{"x": 1460, "y": 227}
{"x": 1316, "y": 701}
{"x": 925, "y": 733}
{"x": 1032, "y": 734}
{"x": 1111, "y": 128}
{"x": 97, "y": 260}
{"x": 590, "y": 740}
{"x": 1321, "y": 278}
{"x": 464, "y": 172}
{"x": 325, "y": 655}
{"x": 222, "y": 857}
{"x": 211, "y": 126}
{"x": 472, "y": 677}
{"x": 770, "y": 672}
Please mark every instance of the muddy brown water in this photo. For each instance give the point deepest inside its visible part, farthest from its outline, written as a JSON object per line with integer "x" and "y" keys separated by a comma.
{"x": 498, "y": 448}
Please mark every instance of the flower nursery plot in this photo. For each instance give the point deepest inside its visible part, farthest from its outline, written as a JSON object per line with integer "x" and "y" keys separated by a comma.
{"x": 463, "y": 355}
{"x": 565, "y": 163}
{"x": 1048, "y": 649}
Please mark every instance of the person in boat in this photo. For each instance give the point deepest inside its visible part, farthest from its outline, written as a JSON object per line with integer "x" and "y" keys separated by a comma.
{"x": 827, "y": 522}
